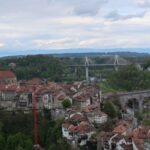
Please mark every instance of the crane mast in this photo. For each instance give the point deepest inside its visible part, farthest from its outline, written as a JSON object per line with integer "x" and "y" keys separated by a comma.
{"x": 36, "y": 144}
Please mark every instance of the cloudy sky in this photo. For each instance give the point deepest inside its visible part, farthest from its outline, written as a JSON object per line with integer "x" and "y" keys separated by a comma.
{"x": 63, "y": 24}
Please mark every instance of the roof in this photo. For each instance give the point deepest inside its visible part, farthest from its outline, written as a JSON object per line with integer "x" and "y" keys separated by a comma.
{"x": 120, "y": 129}
{"x": 141, "y": 133}
{"x": 7, "y": 74}
{"x": 105, "y": 135}
{"x": 82, "y": 128}
{"x": 100, "y": 114}
{"x": 77, "y": 117}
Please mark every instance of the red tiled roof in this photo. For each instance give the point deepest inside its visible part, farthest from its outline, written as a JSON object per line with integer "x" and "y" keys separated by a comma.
{"x": 90, "y": 108}
{"x": 141, "y": 133}
{"x": 120, "y": 129}
{"x": 84, "y": 127}
{"x": 77, "y": 117}
{"x": 7, "y": 74}
{"x": 81, "y": 128}
{"x": 100, "y": 113}
{"x": 80, "y": 98}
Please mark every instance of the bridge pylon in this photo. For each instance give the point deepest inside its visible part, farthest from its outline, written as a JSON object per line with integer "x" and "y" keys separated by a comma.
{"x": 87, "y": 69}
{"x": 116, "y": 62}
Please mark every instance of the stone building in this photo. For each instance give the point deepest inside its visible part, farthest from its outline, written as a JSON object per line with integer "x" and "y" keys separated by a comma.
{"x": 7, "y": 77}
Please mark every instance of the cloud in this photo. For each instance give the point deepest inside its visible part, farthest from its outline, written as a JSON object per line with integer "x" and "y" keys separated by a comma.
{"x": 56, "y": 24}
{"x": 53, "y": 43}
{"x": 143, "y": 3}
{"x": 115, "y": 16}
{"x": 88, "y": 7}
{"x": 2, "y": 45}
{"x": 85, "y": 7}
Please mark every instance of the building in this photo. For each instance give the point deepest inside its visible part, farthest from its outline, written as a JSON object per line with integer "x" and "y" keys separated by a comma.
{"x": 141, "y": 138}
{"x": 113, "y": 141}
{"x": 79, "y": 133}
{"x": 12, "y": 65}
{"x": 94, "y": 115}
{"x": 100, "y": 117}
{"x": 7, "y": 77}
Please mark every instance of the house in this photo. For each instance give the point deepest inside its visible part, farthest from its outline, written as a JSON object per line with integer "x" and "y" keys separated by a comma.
{"x": 84, "y": 132}
{"x": 7, "y": 77}
{"x": 77, "y": 117}
{"x": 141, "y": 138}
{"x": 100, "y": 117}
{"x": 76, "y": 128}
{"x": 94, "y": 115}
{"x": 65, "y": 131}
{"x": 123, "y": 127}
{"x": 7, "y": 92}
{"x": 12, "y": 65}
{"x": 137, "y": 139}
{"x": 103, "y": 139}
{"x": 7, "y": 96}
{"x": 81, "y": 101}
{"x": 79, "y": 133}
{"x": 23, "y": 97}
{"x": 86, "y": 96}
{"x": 47, "y": 100}
{"x": 113, "y": 141}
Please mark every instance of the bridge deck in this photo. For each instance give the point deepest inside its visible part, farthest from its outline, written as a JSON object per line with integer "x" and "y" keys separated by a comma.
{"x": 127, "y": 93}
{"x": 98, "y": 65}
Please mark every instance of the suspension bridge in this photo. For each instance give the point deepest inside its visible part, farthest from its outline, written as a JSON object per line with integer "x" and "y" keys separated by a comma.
{"x": 114, "y": 62}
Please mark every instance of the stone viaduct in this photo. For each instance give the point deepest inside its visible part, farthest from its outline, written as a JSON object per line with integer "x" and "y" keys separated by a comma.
{"x": 136, "y": 98}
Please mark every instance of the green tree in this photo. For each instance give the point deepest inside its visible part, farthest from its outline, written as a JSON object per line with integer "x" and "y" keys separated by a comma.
{"x": 53, "y": 147}
{"x": 28, "y": 144}
{"x": 129, "y": 78}
{"x": 2, "y": 142}
{"x": 18, "y": 142}
{"x": 10, "y": 143}
{"x": 54, "y": 137}
{"x": 66, "y": 103}
{"x": 110, "y": 109}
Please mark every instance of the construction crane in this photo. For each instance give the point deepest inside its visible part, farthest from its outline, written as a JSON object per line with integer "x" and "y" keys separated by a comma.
{"x": 36, "y": 145}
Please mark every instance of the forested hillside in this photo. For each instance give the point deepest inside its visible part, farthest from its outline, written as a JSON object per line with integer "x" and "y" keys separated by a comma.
{"x": 16, "y": 132}
{"x": 40, "y": 66}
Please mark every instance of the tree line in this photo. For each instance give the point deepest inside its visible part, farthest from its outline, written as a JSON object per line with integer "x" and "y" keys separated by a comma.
{"x": 16, "y": 132}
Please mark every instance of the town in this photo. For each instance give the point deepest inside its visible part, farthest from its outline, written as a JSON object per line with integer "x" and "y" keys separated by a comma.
{"x": 91, "y": 119}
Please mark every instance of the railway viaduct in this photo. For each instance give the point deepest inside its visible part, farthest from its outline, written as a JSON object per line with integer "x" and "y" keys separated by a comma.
{"x": 136, "y": 97}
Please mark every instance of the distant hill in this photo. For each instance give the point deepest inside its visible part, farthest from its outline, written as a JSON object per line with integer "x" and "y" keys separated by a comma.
{"x": 79, "y": 52}
{"x": 90, "y": 54}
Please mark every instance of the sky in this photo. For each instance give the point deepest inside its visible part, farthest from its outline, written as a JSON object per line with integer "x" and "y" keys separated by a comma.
{"x": 65, "y": 24}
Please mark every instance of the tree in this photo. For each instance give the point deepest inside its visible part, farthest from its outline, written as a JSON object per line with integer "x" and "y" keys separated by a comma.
{"x": 129, "y": 78}
{"x": 110, "y": 109}
{"x": 2, "y": 142}
{"x": 66, "y": 103}
{"x": 18, "y": 142}
{"x": 54, "y": 137}
{"x": 28, "y": 144}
